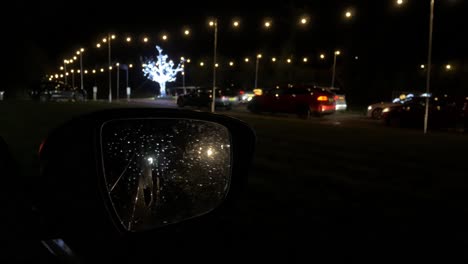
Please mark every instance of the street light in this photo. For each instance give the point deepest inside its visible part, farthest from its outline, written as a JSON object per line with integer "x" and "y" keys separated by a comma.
{"x": 259, "y": 56}
{"x": 145, "y": 39}
{"x": 231, "y": 63}
{"x": 423, "y": 66}
{"x": 80, "y": 52}
{"x": 202, "y": 64}
{"x": 268, "y": 24}
{"x": 235, "y": 23}
{"x": 186, "y": 32}
{"x": 322, "y": 56}
{"x": 246, "y": 60}
{"x": 214, "y": 24}
{"x": 102, "y": 69}
{"x": 400, "y": 2}
{"x": 98, "y": 45}
{"x": 335, "y": 54}
{"x": 348, "y": 14}
{"x": 288, "y": 61}
{"x": 65, "y": 62}
{"x": 164, "y": 37}
{"x": 273, "y": 59}
{"x": 304, "y": 20}
{"x": 305, "y": 59}
{"x": 448, "y": 67}
{"x": 129, "y": 39}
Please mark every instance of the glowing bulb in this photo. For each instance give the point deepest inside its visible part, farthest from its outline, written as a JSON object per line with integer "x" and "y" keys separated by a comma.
{"x": 150, "y": 160}
{"x": 273, "y": 59}
{"x": 288, "y": 61}
{"x": 448, "y": 67}
{"x": 400, "y": 2}
{"x": 337, "y": 52}
{"x": 130, "y": 66}
{"x": 102, "y": 69}
{"x": 322, "y": 56}
{"x": 246, "y": 59}
{"x": 231, "y": 63}
{"x": 104, "y": 40}
{"x": 94, "y": 71}
{"x": 212, "y": 23}
{"x": 202, "y": 64}
{"x": 61, "y": 68}
{"x": 188, "y": 60}
{"x": 348, "y": 14}
{"x": 98, "y": 45}
{"x": 86, "y": 72}
{"x": 305, "y": 59}
{"x": 235, "y": 23}
{"x": 304, "y": 21}
{"x": 129, "y": 39}
{"x": 423, "y": 66}
{"x": 187, "y": 32}
{"x": 74, "y": 57}
{"x": 259, "y": 56}
{"x": 78, "y": 53}
{"x": 113, "y": 37}
{"x": 164, "y": 37}
{"x": 72, "y": 71}
{"x": 216, "y": 65}
{"x": 82, "y": 50}
{"x": 145, "y": 39}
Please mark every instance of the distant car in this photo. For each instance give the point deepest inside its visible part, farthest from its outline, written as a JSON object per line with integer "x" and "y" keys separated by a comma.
{"x": 300, "y": 100}
{"x": 202, "y": 97}
{"x": 57, "y": 91}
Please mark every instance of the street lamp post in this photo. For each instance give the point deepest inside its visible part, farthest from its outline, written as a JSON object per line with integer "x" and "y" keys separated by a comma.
{"x": 429, "y": 62}
{"x": 81, "y": 68}
{"x": 259, "y": 56}
{"x": 334, "y": 68}
{"x": 65, "y": 71}
{"x": 118, "y": 80}
{"x": 73, "y": 77}
{"x": 110, "y": 66}
{"x": 215, "y": 24}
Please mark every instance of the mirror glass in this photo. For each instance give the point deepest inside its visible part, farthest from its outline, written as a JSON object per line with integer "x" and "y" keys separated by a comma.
{"x": 163, "y": 171}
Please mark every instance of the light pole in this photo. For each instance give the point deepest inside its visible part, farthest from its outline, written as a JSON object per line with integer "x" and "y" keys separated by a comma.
{"x": 109, "y": 39}
{"x": 65, "y": 62}
{"x": 73, "y": 77}
{"x": 259, "y": 56}
{"x": 429, "y": 62}
{"x": 80, "y": 52}
{"x": 183, "y": 72}
{"x": 337, "y": 53}
{"x": 215, "y": 24}
{"x": 118, "y": 80}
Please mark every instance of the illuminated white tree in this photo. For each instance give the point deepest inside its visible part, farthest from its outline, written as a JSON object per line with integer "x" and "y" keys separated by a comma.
{"x": 162, "y": 70}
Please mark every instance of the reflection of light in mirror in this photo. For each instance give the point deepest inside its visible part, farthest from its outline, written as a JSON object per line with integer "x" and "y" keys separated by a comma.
{"x": 150, "y": 160}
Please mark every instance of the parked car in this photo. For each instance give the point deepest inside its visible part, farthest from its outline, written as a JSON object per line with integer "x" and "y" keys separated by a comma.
{"x": 374, "y": 111}
{"x": 202, "y": 97}
{"x": 300, "y": 100}
{"x": 57, "y": 91}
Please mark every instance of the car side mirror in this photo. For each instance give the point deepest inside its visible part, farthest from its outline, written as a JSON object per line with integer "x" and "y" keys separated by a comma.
{"x": 132, "y": 170}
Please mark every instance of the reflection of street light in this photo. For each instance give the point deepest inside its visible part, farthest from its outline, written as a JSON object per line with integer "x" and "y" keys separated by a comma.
{"x": 336, "y": 53}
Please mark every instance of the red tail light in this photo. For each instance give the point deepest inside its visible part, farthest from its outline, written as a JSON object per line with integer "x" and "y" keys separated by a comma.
{"x": 322, "y": 98}
{"x": 337, "y": 97}
{"x": 241, "y": 92}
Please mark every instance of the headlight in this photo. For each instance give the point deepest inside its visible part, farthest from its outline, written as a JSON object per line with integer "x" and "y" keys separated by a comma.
{"x": 369, "y": 108}
{"x": 249, "y": 99}
{"x": 386, "y": 110}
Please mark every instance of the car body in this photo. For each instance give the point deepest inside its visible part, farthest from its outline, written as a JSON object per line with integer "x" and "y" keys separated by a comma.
{"x": 299, "y": 100}
{"x": 56, "y": 91}
{"x": 202, "y": 97}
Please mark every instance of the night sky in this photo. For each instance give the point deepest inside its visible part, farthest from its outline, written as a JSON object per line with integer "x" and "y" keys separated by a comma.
{"x": 384, "y": 36}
